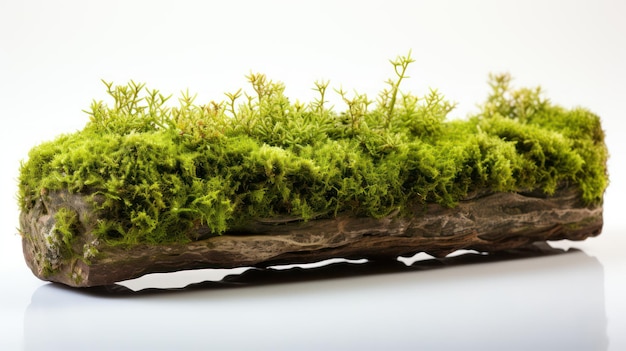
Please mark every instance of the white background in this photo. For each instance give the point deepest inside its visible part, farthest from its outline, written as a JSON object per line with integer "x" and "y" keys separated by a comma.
{"x": 54, "y": 53}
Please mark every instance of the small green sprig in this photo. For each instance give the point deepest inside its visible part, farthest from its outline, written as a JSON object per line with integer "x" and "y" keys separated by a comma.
{"x": 357, "y": 110}
{"x": 388, "y": 97}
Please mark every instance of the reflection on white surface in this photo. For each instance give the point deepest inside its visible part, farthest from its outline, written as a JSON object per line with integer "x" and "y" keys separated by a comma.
{"x": 549, "y": 302}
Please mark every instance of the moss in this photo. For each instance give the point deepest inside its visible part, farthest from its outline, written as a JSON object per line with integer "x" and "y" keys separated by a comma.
{"x": 166, "y": 171}
{"x": 47, "y": 269}
{"x": 66, "y": 221}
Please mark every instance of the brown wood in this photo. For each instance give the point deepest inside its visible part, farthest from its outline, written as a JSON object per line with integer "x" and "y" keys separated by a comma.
{"x": 484, "y": 222}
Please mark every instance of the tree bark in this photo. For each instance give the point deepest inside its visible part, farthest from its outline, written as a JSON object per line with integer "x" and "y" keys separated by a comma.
{"x": 485, "y": 222}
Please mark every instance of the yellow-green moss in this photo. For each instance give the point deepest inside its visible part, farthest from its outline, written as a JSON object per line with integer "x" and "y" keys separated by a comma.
{"x": 164, "y": 171}
{"x": 66, "y": 221}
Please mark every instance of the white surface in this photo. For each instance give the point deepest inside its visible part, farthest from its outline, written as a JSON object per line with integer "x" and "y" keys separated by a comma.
{"x": 54, "y": 53}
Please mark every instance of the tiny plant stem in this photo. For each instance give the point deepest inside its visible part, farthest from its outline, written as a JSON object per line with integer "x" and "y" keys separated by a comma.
{"x": 400, "y": 66}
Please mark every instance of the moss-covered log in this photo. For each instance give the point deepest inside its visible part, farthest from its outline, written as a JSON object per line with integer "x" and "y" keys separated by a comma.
{"x": 146, "y": 187}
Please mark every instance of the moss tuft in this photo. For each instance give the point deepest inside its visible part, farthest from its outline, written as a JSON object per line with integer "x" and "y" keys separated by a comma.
{"x": 65, "y": 228}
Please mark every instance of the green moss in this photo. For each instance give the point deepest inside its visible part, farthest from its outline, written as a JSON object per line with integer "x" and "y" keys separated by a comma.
{"x": 47, "y": 269}
{"x": 66, "y": 221}
{"x": 164, "y": 172}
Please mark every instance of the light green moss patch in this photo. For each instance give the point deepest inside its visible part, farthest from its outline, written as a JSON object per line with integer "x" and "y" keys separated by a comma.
{"x": 166, "y": 171}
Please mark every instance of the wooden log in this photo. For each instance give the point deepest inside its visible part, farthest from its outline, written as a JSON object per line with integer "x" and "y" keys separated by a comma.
{"x": 485, "y": 222}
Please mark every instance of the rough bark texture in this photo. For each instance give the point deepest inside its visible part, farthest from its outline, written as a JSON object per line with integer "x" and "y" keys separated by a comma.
{"x": 484, "y": 222}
